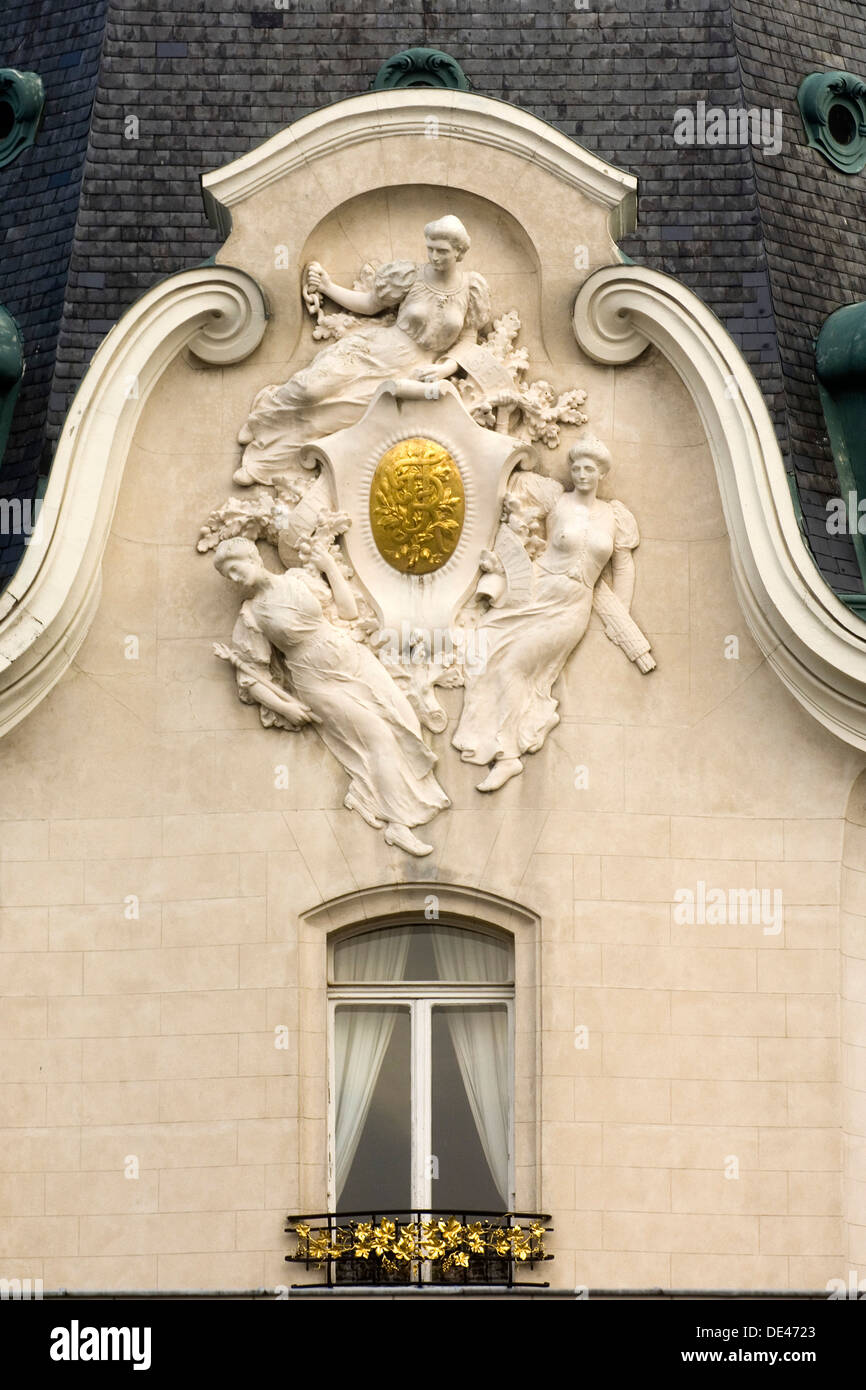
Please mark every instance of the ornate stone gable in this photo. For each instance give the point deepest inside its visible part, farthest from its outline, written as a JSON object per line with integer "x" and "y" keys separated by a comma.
{"x": 397, "y": 471}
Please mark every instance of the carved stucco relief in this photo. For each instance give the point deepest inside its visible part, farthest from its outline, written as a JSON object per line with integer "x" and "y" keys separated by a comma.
{"x": 397, "y": 475}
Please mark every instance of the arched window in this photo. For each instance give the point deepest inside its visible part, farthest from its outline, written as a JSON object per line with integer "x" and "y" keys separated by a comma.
{"x": 421, "y": 1069}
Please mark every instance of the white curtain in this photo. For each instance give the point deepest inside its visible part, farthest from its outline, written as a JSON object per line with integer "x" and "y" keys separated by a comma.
{"x": 480, "y": 1038}
{"x": 362, "y": 1036}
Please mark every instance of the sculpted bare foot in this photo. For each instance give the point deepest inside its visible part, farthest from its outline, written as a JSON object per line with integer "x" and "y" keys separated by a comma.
{"x": 500, "y": 773}
{"x": 402, "y": 837}
{"x": 242, "y": 477}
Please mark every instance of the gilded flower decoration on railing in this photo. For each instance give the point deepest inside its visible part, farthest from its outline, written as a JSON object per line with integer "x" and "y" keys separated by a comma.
{"x": 445, "y": 1241}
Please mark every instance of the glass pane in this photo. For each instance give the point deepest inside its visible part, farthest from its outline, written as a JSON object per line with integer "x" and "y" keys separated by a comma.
{"x": 373, "y": 1108}
{"x": 471, "y": 1108}
{"x": 464, "y": 955}
{"x": 374, "y": 955}
{"x": 423, "y": 951}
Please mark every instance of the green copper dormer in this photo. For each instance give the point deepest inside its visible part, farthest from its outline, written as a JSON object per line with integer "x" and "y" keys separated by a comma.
{"x": 421, "y": 67}
{"x": 833, "y": 108}
{"x": 11, "y": 371}
{"x": 22, "y": 107}
{"x": 840, "y": 361}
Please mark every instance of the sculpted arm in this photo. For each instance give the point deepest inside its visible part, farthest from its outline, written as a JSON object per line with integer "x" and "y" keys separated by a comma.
{"x": 439, "y": 371}
{"x": 613, "y": 603}
{"x": 356, "y": 301}
{"x": 622, "y": 561}
{"x": 622, "y": 574}
{"x": 250, "y": 654}
{"x": 290, "y": 710}
{"x": 318, "y": 554}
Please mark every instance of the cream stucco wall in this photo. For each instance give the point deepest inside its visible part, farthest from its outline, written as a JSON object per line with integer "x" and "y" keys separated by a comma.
{"x": 141, "y": 774}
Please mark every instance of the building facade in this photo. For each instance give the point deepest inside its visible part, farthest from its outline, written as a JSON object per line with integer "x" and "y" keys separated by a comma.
{"x": 432, "y": 698}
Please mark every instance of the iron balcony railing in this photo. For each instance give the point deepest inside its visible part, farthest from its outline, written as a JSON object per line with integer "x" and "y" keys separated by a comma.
{"x": 422, "y": 1248}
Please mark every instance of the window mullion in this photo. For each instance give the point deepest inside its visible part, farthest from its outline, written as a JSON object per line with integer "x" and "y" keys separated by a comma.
{"x": 422, "y": 1141}
{"x": 332, "y": 1105}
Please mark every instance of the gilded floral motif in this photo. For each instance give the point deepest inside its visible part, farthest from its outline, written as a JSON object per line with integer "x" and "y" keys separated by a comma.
{"x": 417, "y": 506}
{"x": 443, "y": 1240}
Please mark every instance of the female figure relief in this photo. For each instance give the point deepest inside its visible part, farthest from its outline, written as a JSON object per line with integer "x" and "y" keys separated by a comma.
{"x": 336, "y": 683}
{"x": 439, "y": 307}
{"x": 508, "y": 708}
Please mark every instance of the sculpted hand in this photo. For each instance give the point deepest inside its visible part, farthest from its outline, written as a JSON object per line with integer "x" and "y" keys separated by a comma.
{"x": 490, "y": 563}
{"x": 295, "y": 714}
{"x": 318, "y": 278}
{"x": 431, "y": 373}
{"x": 314, "y": 553}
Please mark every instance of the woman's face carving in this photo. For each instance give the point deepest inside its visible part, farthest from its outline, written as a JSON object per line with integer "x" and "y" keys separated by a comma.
{"x": 242, "y": 572}
{"x": 441, "y": 254}
{"x": 585, "y": 474}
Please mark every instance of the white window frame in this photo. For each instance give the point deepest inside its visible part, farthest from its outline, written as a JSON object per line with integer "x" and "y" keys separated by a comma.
{"x": 421, "y": 997}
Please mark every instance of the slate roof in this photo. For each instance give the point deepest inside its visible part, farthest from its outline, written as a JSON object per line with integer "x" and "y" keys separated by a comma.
{"x": 39, "y": 196}
{"x": 771, "y": 243}
{"x": 814, "y": 228}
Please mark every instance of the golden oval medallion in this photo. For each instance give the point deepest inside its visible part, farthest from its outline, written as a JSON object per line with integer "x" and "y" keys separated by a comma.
{"x": 417, "y": 505}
